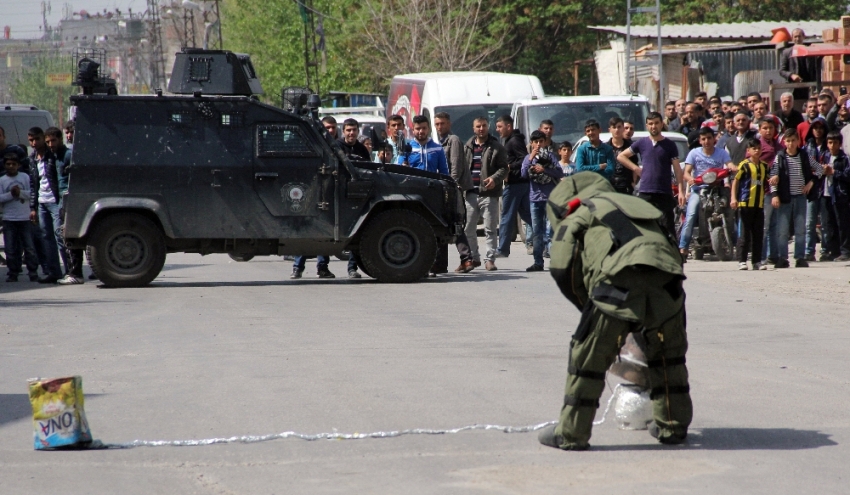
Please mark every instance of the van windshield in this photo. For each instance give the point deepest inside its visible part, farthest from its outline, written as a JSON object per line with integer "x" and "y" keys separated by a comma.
{"x": 463, "y": 116}
{"x": 569, "y": 118}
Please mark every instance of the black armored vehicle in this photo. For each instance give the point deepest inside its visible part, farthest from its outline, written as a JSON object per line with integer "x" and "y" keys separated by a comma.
{"x": 211, "y": 169}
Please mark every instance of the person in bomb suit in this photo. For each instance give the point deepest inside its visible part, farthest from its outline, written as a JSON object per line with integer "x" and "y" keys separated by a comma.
{"x": 613, "y": 259}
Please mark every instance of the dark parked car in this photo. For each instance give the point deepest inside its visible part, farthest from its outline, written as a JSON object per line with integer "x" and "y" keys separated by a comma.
{"x": 213, "y": 170}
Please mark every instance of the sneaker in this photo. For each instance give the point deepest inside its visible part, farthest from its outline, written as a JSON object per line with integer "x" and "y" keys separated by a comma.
{"x": 772, "y": 260}
{"x": 325, "y": 273}
{"x": 801, "y": 263}
{"x": 48, "y": 280}
{"x": 781, "y": 264}
{"x": 827, "y": 257}
{"x": 529, "y": 250}
{"x": 490, "y": 266}
{"x": 71, "y": 280}
{"x": 465, "y": 267}
{"x": 432, "y": 275}
{"x": 476, "y": 263}
{"x": 842, "y": 258}
{"x": 11, "y": 278}
{"x": 810, "y": 257}
{"x": 534, "y": 268}
{"x": 759, "y": 266}
{"x": 356, "y": 274}
{"x": 33, "y": 277}
{"x": 296, "y": 273}
{"x": 743, "y": 266}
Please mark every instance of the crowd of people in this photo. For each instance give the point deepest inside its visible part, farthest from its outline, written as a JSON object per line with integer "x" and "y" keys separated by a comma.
{"x": 789, "y": 171}
{"x": 32, "y": 189}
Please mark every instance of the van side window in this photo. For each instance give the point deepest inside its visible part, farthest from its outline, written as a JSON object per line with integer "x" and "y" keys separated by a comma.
{"x": 282, "y": 140}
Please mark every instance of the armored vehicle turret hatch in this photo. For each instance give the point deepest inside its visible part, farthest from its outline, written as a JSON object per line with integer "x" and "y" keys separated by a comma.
{"x": 213, "y": 72}
{"x": 214, "y": 170}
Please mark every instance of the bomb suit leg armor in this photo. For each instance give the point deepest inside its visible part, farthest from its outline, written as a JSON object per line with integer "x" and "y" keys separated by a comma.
{"x": 614, "y": 261}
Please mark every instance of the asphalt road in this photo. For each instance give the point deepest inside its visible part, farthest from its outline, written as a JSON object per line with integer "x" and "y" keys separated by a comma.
{"x": 216, "y": 348}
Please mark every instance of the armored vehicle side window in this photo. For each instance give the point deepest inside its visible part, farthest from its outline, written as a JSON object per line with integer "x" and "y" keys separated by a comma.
{"x": 282, "y": 140}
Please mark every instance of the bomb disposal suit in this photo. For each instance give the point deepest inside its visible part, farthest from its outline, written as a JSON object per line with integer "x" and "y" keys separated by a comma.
{"x": 614, "y": 261}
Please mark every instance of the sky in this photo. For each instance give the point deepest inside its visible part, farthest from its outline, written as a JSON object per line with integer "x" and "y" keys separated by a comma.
{"x": 24, "y": 17}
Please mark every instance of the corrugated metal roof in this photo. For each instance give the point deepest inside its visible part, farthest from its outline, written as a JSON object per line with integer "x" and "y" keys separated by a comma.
{"x": 739, "y": 30}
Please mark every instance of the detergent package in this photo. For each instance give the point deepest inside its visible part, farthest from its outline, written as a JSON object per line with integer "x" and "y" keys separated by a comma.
{"x": 58, "y": 417}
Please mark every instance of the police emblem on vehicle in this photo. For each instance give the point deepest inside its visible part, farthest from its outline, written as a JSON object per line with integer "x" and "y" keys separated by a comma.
{"x": 295, "y": 195}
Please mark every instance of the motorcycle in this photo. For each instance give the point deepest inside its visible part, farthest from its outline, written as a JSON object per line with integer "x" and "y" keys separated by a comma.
{"x": 715, "y": 231}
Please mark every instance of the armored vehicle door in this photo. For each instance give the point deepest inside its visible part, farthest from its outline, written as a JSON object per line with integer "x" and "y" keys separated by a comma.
{"x": 295, "y": 180}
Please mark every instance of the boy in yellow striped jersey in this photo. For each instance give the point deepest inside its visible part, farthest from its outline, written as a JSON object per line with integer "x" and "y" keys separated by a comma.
{"x": 748, "y": 197}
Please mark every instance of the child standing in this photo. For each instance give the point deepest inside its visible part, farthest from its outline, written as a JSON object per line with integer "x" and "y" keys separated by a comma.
{"x": 16, "y": 198}
{"x": 565, "y": 150}
{"x": 748, "y": 197}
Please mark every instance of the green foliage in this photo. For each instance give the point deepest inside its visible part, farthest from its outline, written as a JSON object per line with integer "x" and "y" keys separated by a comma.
{"x": 273, "y": 33}
{"x": 540, "y": 37}
{"x": 29, "y": 87}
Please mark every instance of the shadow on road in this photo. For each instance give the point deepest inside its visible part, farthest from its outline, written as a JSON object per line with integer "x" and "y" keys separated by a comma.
{"x": 442, "y": 279}
{"x": 14, "y": 407}
{"x": 742, "y": 439}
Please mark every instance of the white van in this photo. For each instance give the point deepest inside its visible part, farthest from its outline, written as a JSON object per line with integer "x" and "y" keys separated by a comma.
{"x": 16, "y": 120}
{"x": 569, "y": 113}
{"x": 463, "y": 95}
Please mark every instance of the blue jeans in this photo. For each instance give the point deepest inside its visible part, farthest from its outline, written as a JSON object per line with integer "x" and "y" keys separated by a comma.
{"x": 321, "y": 262}
{"x": 690, "y": 217}
{"x": 352, "y": 262}
{"x": 769, "y": 248}
{"x": 15, "y": 235}
{"x": 823, "y": 208}
{"x": 514, "y": 200}
{"x": 542, "y": 234}
{"x": 796, "y": 209}
{"x": 51, "y": 235}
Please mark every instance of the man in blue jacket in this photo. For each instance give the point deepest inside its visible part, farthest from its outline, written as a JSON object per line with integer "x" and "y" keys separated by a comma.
{"x": 594, "y": 155}
{"x": 425, "y": 154}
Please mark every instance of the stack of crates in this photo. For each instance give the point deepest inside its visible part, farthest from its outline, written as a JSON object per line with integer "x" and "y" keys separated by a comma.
{"x": 834, "y": 68}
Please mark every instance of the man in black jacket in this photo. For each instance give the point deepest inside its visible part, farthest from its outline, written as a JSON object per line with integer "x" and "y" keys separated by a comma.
{"x": 691, "y": 122}
{"x": 736, "y": 145}
{"x": 46, "y": 182}
{"x": 515, "y": 194}
{"x": 798, "y": 69}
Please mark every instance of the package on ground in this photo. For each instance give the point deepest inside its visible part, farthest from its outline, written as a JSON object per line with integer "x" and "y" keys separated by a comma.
{"x": 58, "y": 417}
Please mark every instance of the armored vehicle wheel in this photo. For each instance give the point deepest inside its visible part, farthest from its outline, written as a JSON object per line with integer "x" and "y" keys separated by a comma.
{"x": 126, "y": 250}
{"x": 241, "y": 257}
{"x": 398, "y": 246}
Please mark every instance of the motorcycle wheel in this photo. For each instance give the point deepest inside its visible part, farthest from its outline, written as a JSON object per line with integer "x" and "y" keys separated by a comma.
{"x": 720, "y": 245}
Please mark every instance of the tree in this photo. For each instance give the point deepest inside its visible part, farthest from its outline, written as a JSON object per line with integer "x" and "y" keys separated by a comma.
{"x": 30, "y": 87}
{"x": 428, "y": 35}
{"x": 273, "y": 32}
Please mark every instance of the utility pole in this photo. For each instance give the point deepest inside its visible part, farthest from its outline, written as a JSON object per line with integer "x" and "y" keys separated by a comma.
{"x": 157, "y": 57}
{"x": 311, "y": 52}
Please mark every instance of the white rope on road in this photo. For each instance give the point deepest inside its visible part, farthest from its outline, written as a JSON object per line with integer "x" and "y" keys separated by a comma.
{"x": 340, "y": 436}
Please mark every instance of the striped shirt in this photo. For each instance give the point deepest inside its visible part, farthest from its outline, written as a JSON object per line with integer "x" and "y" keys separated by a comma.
{"x": 751, "y": 178}
{"x": 795, "y": 173}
